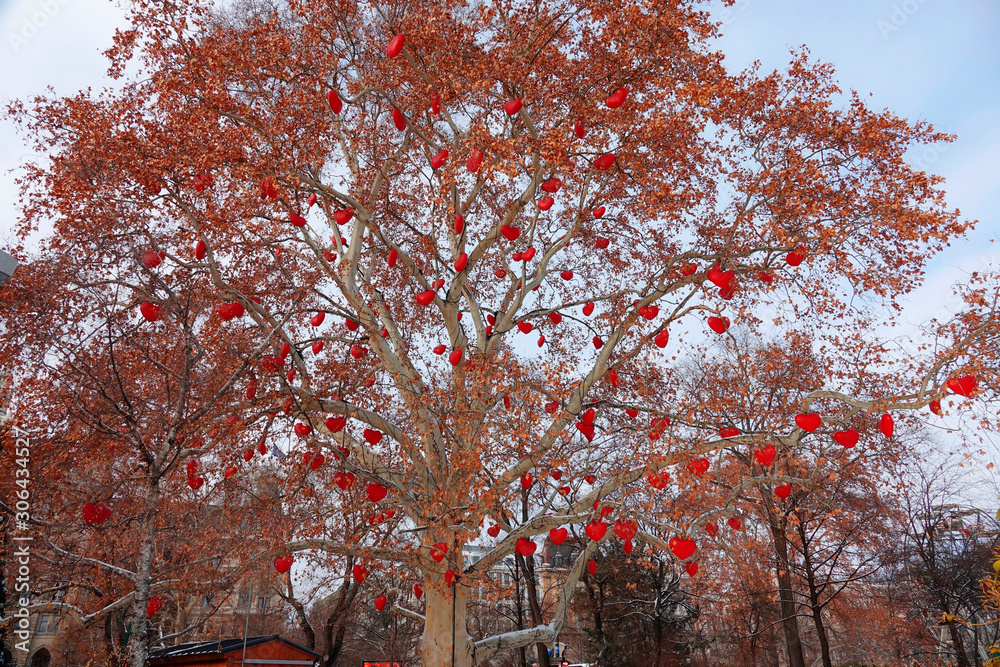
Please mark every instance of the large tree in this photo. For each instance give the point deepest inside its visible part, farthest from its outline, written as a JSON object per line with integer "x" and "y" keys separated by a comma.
{"x": 446, "y": 244}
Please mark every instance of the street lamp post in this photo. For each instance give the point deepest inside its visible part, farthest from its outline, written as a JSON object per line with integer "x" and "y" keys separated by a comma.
{"x": 7, "y": 266}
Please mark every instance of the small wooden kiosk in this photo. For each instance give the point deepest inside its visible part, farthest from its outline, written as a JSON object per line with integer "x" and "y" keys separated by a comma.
{"x": 267, "y": 651}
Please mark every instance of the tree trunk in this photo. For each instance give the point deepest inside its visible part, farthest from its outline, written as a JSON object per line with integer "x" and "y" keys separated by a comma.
{"x": 661, "y": 579}
{"x": 139, "y": 633}
{"x": 533, "y": 606}
{"x": 435, "y": 647}
{"x": 814, "y": 604}
{"x": 789, "y": 624}
{"x": 338, "y": 617}
{"x": 957, "y": 644}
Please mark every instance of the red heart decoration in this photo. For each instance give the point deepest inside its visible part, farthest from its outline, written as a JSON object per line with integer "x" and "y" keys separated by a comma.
{"x": 662, "y": 339}
{"x": 604, "y": 162}
{"x": 439, "y": 159}
{"x": 436, "y": 104}
{"x": 596, "y": 530}
{"x": 510, "y": 232}
{"x": 438, "y": 551}
{"x": 795, "y": 257}
{"x": 650, "y": 312}
{"x": 626, "y": 530}
{"x": 765, "y": 277}
{"x": 689, "y": 269}
{"x": 588, "y": 308}
{"x": 847, "y": 438}
{"x": 721, "y": 279}
{"x": 150, "y": 311}
{"x": 317, "y": 346}
{"x": 247, "y": 455}
{"x": 528, "y": 254}
{"x": 425, "y": 298}
{"x": 546, "y": 203}
{"x": 809, "y": 422}
{"x": 418, "y": 590}
{"x": 682, "y": 548}
{"x": 590, "y": 479}
{"x": 729, "y": 432}
{"x": 473, "y": 163}
{"x": 606, "y": 510}
{"x": 372, "y": 436}
{"x": 283, "y": 563}
{"x": 296, "y": 219}
{"x": 392, "y": 50}
{"x": 462, "y": 262}
{"x": 449, "y": 577}
{"x": 617, "y": 99}
{"x": 153, "y": 606}
{"x": 551, "y": 407}
{"x": 599, "y": 212}
{"x": 735, "y": 522}
{"x": 455, "y": 357}
{"x": 439, "y": 349}
{"x": 935, "y": 407}
{"x": 380, "y": 602}
{"x": 398, "y": 119}
{"x": 613, "y": 378}
{"x": 555, "y": 317}
{"x": 262, "y": 448}
{"x": 526, "y": 547}
{"x": 711, "y": 529}
{"x": 317, "y": 461}
{"x": 727, "y": 293}
{"x": 558, "y": 535}
{"x": 513, "y": 106}
{"x": 342, "y": 217}
{"x": 602, "y": 243}
{"x": 312, "y": 199}
{"x": 765, "y": 456}
{"x": 963, "y": 386}
{"x": 231, "y": 470}
{"x": 566, "y": 275}
{"x": 95, "y": 514}
{"x": 587, "y": 430}
{"x": 344, "y": 480}
{"x": 303, "y": 429}
{"x": 335, "y": 424}
{"x": 285, "y": 349}
{"x": 200, "y": 250}
{"x": 718, "y": 324}
{"x": 526, "y": 480}
{"x": 627, "y": 547}
{"x": 552, "y": 185}
{"x": 493, "y": 530}
{"x": 376, "y": 492}
{"x": 783, "y": 491}
{"x": 886, "y": 425}
{"x": 691, "y": 568}
{"x": 333, "y": 99}
{"x": 698, "y": 467}
{"x": 196, "y": 482}
{"x": 658, "y": 481}
{"x": 592, "y": 568}
{"x": 525, "y": 327}
{"x": 598, "y": 343}
{"x": 579, "y": 128}
{"x": 151, "y": 259}
{"x": 393, "y": 256}
{"x": 359, "y": 573}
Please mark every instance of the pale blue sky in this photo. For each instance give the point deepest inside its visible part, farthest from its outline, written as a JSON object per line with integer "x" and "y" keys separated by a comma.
{"x": 937, "y": 60}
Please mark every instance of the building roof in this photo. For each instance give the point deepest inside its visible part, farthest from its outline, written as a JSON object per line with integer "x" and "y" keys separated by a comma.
{"x": 222, "y": 647}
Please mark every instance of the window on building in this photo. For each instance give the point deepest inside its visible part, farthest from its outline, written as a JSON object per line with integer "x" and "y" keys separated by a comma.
{"x": 43, "y": 624}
